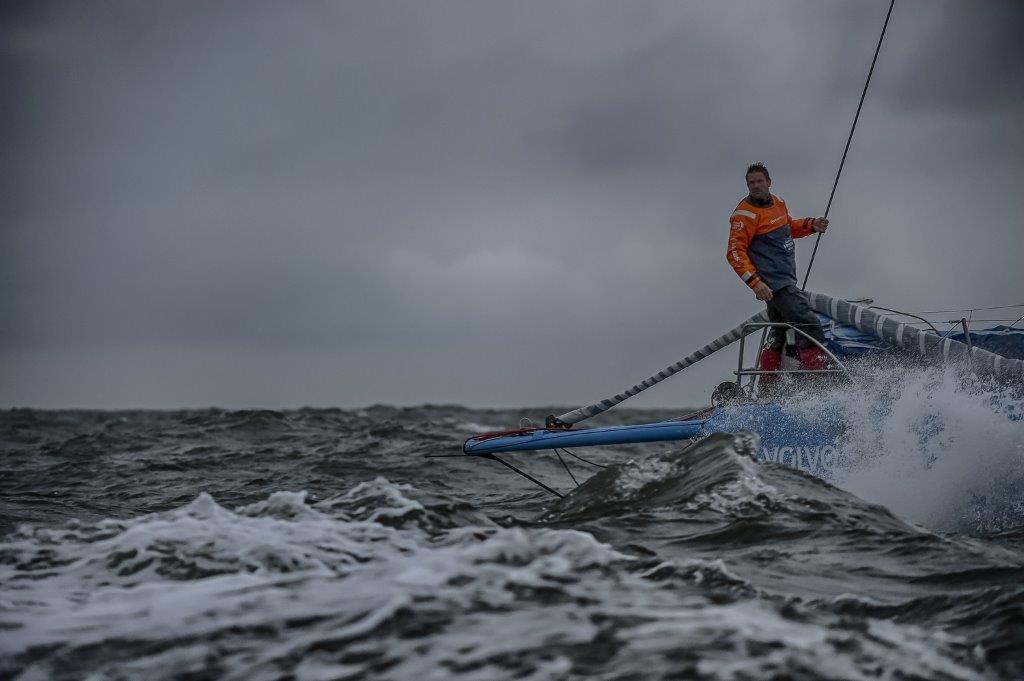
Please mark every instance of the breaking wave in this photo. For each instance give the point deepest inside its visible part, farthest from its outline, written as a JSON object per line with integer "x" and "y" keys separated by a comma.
{"x": 688, "y": 563}
{"x": 933, "y": 444}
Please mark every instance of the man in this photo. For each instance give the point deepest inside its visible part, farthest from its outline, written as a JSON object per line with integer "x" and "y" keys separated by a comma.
{"x": 761, "y": 234}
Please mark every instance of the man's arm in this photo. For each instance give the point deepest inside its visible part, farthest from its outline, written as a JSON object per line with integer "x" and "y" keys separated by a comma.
{"x": 741, "y": 230}
{"x": 807, "y": 226}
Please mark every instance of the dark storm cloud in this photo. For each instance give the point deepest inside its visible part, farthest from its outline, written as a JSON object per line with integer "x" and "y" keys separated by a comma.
{"x": 489, "y": 203}
{"x": 966, "y": 59}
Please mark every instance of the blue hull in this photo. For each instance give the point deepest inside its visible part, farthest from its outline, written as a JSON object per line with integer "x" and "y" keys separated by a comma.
{"x": 808, "y": 443}
{"x": 587, "y": 437}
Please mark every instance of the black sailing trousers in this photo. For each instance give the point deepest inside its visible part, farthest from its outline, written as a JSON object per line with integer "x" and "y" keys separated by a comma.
{"x": 789, "y": 305}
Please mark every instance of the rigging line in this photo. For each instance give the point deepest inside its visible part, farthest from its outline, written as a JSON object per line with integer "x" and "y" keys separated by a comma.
{"x": 942, "y": 337}
{"x": 850, "y": 138}
{"x": 566, "y": 467}
{"x": 522, "y": 473}
{"x": 582, "y": 459}
{"x": 905, "y": 314}
{"x": 972, "y": 309}
{"x": 1017, "y": 322}
{"x": 957, "y": 321}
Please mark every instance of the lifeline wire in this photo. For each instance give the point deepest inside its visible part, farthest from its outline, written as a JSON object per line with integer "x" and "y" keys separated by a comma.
{"x": 848, "y": 140}
{"x": 972, "y": 309}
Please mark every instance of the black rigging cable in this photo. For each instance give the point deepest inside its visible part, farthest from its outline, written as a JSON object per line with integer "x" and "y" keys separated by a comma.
{"x": 577, "y": 456}
{"x": 849, "y": 139}
{"x": 522, "y": 473}
{"x": 566, "y": 467}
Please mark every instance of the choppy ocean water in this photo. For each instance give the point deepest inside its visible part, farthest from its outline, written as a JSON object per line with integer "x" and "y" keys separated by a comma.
{"x": 321, "y": 544}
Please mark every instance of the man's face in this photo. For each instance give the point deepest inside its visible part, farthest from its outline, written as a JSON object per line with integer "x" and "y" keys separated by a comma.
{"x": 757, "y": 185}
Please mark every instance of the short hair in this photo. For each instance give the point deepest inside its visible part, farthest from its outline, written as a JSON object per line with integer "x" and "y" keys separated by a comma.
{"x": 757, "y": 168}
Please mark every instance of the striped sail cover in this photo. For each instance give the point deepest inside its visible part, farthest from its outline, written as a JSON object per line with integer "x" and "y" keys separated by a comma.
{"x": 900, "y": 334}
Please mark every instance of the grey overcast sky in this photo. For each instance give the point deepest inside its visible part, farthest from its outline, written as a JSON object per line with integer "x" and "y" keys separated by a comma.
{"x": 276, "y": 204}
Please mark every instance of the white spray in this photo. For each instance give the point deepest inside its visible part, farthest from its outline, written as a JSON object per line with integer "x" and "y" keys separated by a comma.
{"x": 931, "y": 444}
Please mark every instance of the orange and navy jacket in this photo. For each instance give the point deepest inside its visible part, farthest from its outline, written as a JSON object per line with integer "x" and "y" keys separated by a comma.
{"x": 761, "y": 242}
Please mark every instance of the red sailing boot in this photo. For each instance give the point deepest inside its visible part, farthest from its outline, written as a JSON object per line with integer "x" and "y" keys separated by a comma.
{"x": 771, "y": 360}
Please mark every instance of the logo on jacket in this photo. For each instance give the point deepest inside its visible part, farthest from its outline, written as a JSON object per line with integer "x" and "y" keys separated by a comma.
{"x": 737, "y": 225}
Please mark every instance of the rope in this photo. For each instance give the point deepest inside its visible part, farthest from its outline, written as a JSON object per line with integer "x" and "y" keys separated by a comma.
{"x": 577, "y": 415}
{"x": 849, "y": 139}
